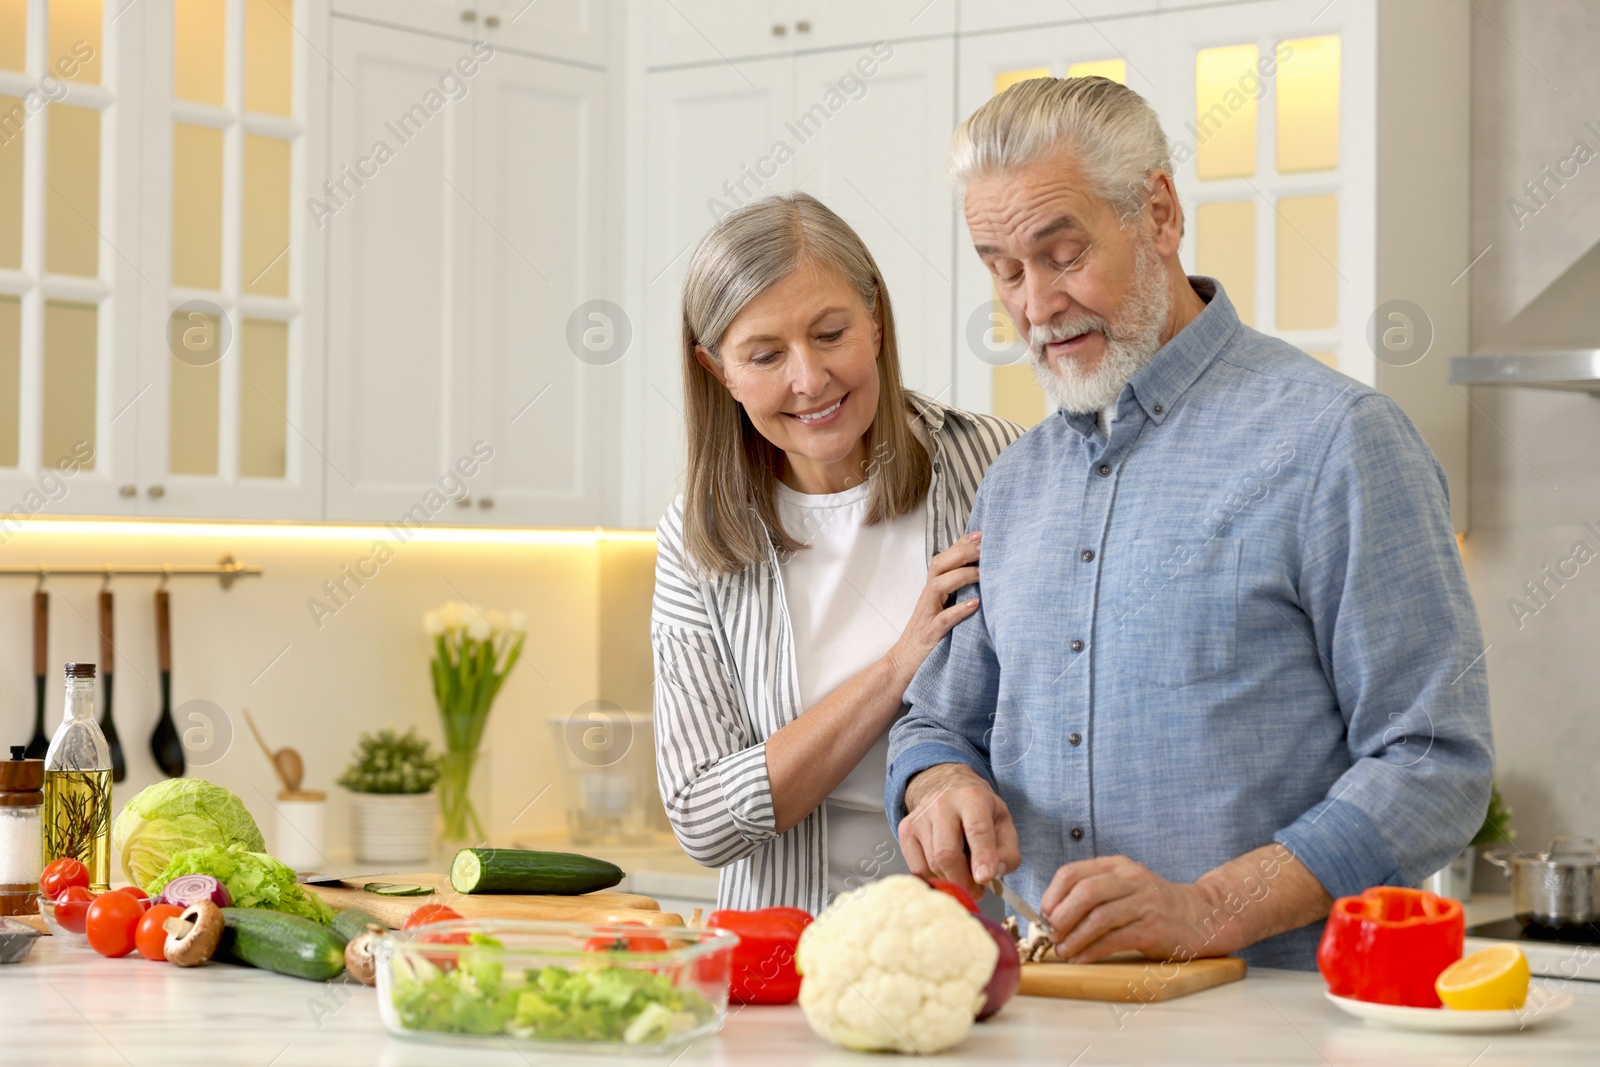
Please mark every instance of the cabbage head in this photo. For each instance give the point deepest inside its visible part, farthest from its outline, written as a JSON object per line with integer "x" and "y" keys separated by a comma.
{"x": 177, "y": 814}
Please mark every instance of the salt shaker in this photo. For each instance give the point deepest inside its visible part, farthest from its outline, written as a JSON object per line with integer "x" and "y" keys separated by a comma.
{"x": 21, "y": 837}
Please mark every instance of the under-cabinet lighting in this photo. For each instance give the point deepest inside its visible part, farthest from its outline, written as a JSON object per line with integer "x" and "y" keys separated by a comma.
{"x": 457, "y": 535}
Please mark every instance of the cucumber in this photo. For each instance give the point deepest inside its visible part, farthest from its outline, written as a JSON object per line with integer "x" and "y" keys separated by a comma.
{"x": 515, "y": 870}
{"x": 352, "y": 921}
{"x": 275, "y": 941}
{"x": 397, "y": 889}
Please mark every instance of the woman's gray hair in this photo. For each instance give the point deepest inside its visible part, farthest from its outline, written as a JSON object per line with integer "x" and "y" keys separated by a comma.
{"x": 730, "y": 518}
{"x": 760, "y": 244}
{"x": 1112, "y": 130}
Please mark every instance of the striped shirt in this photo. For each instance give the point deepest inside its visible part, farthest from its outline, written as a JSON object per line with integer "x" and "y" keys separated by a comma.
{"x": 725, "y": 682}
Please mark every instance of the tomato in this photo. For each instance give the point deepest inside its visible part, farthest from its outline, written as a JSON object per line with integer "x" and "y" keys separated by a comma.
{"x": 430, "y": 913}
{"x": 150, "y": 937}
{"x": 625, "y": 942}
{"x": 72, "y": 908}
{"x": 136, "y": 893}
{"x": 112, "y": 919}
{"x": 950, "y": 889}
{"x": 60, "y": 874}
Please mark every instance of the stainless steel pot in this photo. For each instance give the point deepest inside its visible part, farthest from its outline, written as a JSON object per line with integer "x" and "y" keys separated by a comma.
{"x": 1556, "y": 888}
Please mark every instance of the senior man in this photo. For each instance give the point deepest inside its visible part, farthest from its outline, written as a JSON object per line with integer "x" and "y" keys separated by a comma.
{"x": 1226, "y": 666}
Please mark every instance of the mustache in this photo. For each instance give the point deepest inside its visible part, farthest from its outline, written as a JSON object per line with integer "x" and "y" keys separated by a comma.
{"x": 1039, "y": 336}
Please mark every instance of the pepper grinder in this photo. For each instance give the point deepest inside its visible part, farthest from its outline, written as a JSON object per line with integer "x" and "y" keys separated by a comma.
{"x": 21, "y": 832}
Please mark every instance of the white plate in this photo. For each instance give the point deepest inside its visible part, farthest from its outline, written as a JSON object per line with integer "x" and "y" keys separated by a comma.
{"x": 1542, "y": 1005}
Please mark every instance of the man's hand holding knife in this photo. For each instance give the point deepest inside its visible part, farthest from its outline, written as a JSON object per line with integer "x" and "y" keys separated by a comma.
{"x": 958, "y": 829}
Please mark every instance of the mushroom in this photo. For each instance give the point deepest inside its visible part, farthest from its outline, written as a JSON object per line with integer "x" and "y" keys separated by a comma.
{"x": 359, "y": 962}
{"x": 193, "y": 936}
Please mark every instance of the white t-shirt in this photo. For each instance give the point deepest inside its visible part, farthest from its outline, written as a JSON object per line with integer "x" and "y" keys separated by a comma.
{"x": 849, "y": 596}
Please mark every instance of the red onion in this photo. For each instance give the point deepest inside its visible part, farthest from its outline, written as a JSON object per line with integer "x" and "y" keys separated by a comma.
{"x": 188, "y": 888}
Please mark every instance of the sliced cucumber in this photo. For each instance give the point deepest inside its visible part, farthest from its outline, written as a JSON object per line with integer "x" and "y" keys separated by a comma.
{"x": 397, "y": 889}
{"x": 515, "y": 870}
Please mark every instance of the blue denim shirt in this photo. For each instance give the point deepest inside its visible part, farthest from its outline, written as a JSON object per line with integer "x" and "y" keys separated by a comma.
{"x": 1243, "y": 619}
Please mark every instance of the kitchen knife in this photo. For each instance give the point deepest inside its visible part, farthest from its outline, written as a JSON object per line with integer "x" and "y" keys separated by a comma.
{"x": 1036, "y": 922}
{"x": 357, "y": 875}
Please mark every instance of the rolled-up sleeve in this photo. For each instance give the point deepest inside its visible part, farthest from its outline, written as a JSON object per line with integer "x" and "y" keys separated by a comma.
{"x": 951, "y": 704}
{"x": 1382, "y": 583}
{"x": 711, "y": 769}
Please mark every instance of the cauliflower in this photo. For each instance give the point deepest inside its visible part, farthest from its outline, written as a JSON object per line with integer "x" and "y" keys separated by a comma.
{"x": 894, "y": 965}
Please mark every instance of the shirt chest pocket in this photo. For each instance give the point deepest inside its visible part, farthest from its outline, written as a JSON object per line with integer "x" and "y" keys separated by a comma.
{"x": 1177, "y": 618}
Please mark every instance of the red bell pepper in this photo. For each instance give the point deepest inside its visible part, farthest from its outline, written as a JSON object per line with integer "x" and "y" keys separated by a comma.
{"x": 1389, "y": 945}
{"x": 763, "y": 961}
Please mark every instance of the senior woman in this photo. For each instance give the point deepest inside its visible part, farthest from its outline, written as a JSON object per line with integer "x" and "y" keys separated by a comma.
{"x": 805, "y": 572}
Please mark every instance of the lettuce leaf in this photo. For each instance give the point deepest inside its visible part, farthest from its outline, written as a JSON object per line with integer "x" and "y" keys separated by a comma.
{"x": 253, "y": 880}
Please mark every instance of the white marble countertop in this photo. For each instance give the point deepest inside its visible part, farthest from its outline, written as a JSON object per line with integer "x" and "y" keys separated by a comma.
{"x": 67, "y": 1005}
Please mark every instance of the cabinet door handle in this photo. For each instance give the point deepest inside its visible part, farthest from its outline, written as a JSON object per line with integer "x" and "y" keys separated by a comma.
{"x": 127, "y": 490}
{"x": 469, "y": 15}
{"x": 803, "y": 26}
{"x": 779, "y": 29}
{"x": 156, "y": 492}
{"x": 486, "y": 501}
{"x": 492, "y": 21}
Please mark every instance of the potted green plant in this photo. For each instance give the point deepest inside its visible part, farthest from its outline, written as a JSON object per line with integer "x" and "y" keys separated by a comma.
{"x": 392, "y": 803}
{"x": 1455, "y": 879}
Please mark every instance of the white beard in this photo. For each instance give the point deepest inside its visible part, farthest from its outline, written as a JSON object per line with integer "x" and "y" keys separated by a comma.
{"x": 1129, "y": 345}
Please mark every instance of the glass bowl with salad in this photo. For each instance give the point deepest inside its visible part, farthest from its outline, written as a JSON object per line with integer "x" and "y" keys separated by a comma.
{"x": 552, "y": 985}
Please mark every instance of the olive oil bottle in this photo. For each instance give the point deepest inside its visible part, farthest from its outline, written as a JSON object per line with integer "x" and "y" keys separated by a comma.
{"x": 77, "y": 784}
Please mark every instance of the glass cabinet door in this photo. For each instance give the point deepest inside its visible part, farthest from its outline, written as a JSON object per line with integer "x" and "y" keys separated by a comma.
{"x": 68, "y": 276}
{"x": 238, "y": 393}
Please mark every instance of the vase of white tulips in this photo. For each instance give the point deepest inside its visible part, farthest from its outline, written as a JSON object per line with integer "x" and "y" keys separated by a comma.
{"x": 473, "y": 652}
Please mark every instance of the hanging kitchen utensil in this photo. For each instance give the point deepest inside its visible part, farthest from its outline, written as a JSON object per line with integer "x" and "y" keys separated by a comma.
{"x": 165, "y": 744}
{"x": 40, "y": 744}
{"x": 108, "y": 656}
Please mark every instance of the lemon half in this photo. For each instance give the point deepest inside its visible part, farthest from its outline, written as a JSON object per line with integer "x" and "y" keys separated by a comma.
{"x": 1491, "y": 979}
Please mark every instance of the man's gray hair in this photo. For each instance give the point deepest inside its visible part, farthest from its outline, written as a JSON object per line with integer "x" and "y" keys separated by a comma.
{"x": 1112, "y": 130}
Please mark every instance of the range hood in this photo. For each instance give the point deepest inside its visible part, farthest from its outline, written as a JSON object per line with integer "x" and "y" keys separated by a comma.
{"x": 1553, "y": 343}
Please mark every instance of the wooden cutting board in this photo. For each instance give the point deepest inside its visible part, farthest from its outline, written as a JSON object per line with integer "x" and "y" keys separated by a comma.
{"x": 1129, "y": 981}
{"x": 602, "y": 906}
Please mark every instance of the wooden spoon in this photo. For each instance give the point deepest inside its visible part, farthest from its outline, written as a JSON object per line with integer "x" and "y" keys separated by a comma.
{"x": 285, "y": 761}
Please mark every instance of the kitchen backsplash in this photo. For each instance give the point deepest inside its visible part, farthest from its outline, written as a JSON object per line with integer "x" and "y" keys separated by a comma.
{"x": 313, "y": 679}
{"x": 1535, "y": 454}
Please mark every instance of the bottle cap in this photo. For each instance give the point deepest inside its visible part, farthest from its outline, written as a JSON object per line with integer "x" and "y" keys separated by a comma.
{"x": 80, "y": 670}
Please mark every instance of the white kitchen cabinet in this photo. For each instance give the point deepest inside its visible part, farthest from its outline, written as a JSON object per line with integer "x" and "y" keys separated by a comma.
{"x": 154, "y": 182}
{"x": 399, "y": 268}
{"x": 537, "y": 236}
{"x": 710, "y": 132}
{"x": 455, "y": 269}
{"x": 571, "y": 31}
{"x": 864, "y": 130}
{"x": 726, "y": 31}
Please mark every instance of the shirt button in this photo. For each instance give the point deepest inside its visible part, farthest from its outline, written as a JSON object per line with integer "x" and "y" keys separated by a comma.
{"x": 1088, "y": 555}
{"x": 1157, "y": 409}
{"x": 1077, "y": 646}
{"x": 1074, "y": 739}
{"x": 936, "y": 468}
{"x": 1077, "y": 833}
{"x": 1105, "y": 470}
